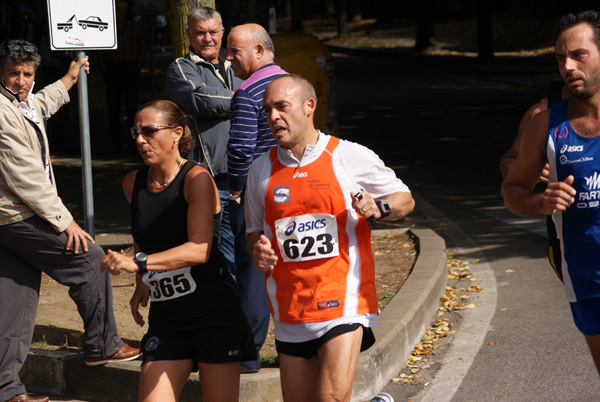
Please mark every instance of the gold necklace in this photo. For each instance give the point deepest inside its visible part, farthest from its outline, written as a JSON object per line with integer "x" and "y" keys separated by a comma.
{"x": 168, "y": 181}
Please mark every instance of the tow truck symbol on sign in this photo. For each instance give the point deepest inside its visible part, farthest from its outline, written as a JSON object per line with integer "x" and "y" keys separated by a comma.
{"x": 91, "y": 21}
{"x": 65, "y": 26}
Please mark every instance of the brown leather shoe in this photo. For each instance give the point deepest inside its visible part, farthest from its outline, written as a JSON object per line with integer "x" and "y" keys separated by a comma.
{"x": 29, "y": 398}
{"x": 128, "y": 352}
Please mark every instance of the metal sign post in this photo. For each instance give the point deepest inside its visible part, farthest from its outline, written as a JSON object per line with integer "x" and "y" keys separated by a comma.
{"x": 86, "y": 154}
{"x": 83, "y": 25}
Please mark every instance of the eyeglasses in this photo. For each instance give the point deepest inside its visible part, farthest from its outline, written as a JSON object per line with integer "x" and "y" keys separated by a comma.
{"x": 27, "y": 48}
{"x": 147, "y": 131}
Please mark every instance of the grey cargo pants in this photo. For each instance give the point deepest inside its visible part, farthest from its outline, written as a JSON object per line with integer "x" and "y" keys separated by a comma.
{"x": 27, "y": 249}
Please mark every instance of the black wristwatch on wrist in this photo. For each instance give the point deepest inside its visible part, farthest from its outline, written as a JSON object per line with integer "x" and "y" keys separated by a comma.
{"x": 140, "y": 259}
{"x": 384, "y": 209}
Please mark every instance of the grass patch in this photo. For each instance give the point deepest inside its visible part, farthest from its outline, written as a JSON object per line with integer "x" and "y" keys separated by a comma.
{"x": 269, "y": 361}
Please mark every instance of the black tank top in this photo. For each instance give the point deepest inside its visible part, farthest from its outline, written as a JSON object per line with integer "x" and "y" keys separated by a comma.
{"x": 159, "y": 220}
{"x": 158, "y": 223}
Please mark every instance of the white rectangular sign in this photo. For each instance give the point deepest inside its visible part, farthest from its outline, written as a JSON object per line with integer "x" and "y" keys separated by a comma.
{"x": 77, "y": 24}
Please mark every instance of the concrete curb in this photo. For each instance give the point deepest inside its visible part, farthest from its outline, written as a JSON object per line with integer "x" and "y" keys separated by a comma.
{"x": 401, "y": 325}
{"x": 404, "y": 320}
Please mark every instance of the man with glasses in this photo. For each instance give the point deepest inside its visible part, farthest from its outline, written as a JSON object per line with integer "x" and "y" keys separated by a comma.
{"x": 37, "y": 232}
{"x": 202, "y": 85}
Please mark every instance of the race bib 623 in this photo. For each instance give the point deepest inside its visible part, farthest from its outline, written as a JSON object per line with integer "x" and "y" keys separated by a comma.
{"x": 307, "y": 237}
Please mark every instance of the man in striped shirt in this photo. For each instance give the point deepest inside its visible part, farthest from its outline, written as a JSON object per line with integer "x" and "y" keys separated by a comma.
{"x": 251, "y": 53}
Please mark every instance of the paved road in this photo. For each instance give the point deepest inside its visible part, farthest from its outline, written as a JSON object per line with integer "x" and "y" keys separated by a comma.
{"x": 444, "y": 133}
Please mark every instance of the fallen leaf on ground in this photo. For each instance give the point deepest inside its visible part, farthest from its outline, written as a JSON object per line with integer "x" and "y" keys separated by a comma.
{"x": 421, "y": 350}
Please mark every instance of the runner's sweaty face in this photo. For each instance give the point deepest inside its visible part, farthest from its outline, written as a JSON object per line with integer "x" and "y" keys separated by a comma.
{"x": 157, "y": 147}
{"x": 578, "y": 60}
{"x": 287, "y": 116}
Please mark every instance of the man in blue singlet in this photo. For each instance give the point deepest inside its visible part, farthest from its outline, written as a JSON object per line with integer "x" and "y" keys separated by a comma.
{"x": 509, "y": 157}
{"x": 567, "y": 137}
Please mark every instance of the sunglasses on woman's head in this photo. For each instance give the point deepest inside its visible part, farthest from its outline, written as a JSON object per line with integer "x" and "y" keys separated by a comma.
{"x": 27, "y": 48}
{"x": 147, "y": 131}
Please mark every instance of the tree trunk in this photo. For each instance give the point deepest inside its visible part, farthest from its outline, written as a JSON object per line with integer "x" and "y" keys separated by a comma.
{"x": 178, "y": 12}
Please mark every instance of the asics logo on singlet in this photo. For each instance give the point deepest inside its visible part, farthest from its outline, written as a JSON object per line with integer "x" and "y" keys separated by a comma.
{"x": 290, "y": 229}
{"x": 300, "y": 174}
{"x": 306, "y": 226}
{"x": 571, "y": 148}
{"x": 593, "y": 182}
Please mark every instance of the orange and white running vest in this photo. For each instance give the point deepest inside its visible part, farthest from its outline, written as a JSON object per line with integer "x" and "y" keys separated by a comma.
{"x": 325, "y": 268}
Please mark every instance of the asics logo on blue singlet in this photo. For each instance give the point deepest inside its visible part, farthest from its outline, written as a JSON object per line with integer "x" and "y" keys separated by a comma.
{"x": 567, "y": 156}
{"x": 571, "y": 148}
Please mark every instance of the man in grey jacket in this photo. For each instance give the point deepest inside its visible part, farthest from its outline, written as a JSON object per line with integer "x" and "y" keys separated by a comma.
{"x": 37, "y": 232}
{"x": 202, "y": 85}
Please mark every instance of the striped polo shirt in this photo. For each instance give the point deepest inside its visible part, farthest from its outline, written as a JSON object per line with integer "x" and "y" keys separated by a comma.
{"x": 249, "y": 135}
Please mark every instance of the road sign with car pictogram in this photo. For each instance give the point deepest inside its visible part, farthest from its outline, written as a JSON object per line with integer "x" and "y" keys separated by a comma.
{"x": 82, "y": 24}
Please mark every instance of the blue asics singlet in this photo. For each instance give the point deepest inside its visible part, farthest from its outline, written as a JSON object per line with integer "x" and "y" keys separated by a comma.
{"x": 578, "y": 227}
